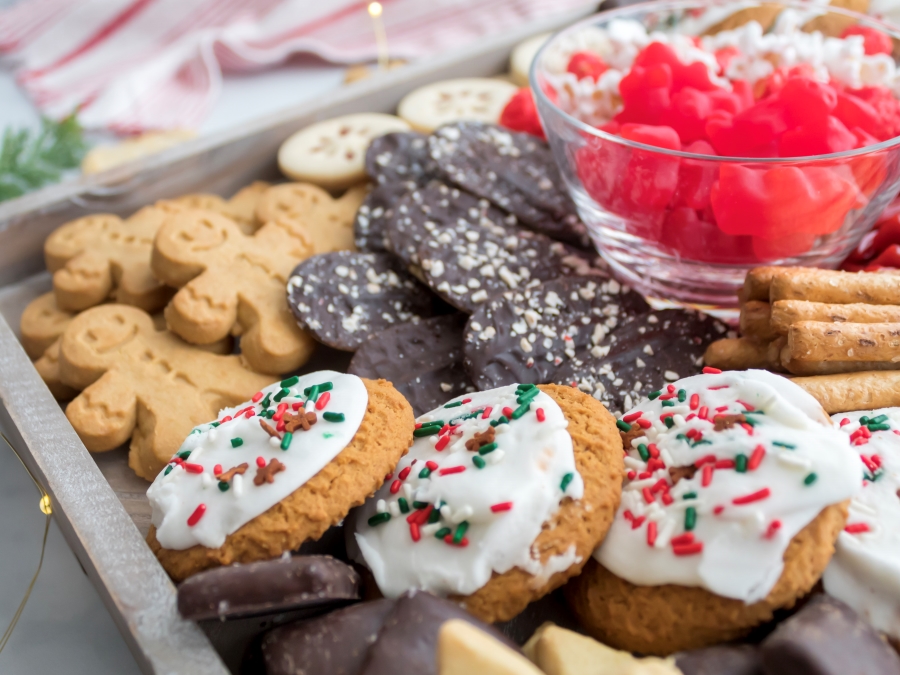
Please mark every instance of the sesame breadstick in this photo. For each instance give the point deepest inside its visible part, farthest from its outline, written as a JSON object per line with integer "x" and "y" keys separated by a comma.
{"x": 815, "y": 285}
{"x": 817, "y": 341}
{"x": 786, "y": 312}
{"x": 755, "y": 322}
{"x": 854, "y": 391}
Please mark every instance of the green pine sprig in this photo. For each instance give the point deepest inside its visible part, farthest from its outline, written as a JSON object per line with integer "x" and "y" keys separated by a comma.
{"x": 29, "y": 161}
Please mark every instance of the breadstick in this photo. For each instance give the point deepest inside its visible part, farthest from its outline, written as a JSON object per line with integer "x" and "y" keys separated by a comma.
{"x": 814, "y": 285}
{"x": 755, "y": 321}
{"x": 854, "y": 391}
{"x": 786, "y": 312}
{"x": 815, "y": 341}
{"x": 757, "y": 282}
{"x": 737, "y": 354}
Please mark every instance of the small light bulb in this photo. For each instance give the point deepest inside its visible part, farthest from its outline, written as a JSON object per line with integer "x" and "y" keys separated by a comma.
{"x": 46, "y": 509}
{"x": 374, "y": 9}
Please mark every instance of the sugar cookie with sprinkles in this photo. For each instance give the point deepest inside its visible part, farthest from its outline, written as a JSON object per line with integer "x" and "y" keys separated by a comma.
{"x": 527, "y": 335}
{"x": 276, "y": 471}
{"x": 515, "y": 171}
{"x": 865, "y": 569}
{"x": 422, "y": 360}
{"x": 645, "y": 353}
{"x": 498, "y": 501}
{"x": 342, "y": 297}
{"x": 736, "y": 490}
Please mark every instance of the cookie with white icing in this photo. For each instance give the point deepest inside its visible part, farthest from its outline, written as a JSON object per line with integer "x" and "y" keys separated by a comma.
{"x": 865, "y": 570}
{"x": 501, "y": 499}
{"x": 276, "y": 471}
{"x": 735, "y": 492}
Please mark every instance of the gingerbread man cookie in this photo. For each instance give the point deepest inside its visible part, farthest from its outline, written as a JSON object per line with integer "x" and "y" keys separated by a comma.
{"x": 143, "y": 384}
{"x": 241, "y": 208}
{"x": 277, "y": 470}
{"x": 234, "y": 283}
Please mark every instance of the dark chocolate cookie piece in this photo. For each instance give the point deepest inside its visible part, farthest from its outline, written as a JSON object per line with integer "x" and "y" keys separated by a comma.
{"x": 399, "y": 156}
{"x": 423, "y": 360}
{"x": 515, "y": 171}
{"x": 267, "y": 587}
{"x": 526, "y": 336}
{"x": 408, "y": 638}
{"x": 721, "y": 660}
{"x": 342, "y": 297}
{"x": 436, "y": 207}
{"x": 641, "y": 355}
{"x": 335, "y": 644}
{"x": 370, "y": 227}
{"x": 827, "y": 637}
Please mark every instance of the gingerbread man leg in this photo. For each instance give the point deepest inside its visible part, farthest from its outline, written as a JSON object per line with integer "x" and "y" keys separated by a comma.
{"x": 105, "y": 413}
{"x": 203, "y": 311}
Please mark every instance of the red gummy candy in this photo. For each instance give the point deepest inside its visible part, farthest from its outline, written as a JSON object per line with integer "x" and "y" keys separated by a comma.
{"x": 889, "y": 257}
{"x": 693, "y": 237}
{"x": 645, "y": 95}
{"x": 657, "y": 136}
{"x": 724, "y": 57}
{"x": 520, "y": 114}
{"x": 807, "y": 101}
{"x": 696, "y": 178}
{"x": 874, "y": 40}
{"x": 854, "y": 112}
{"x": 694, "y": 75}
{"x": 805, "y": 141}
{"x": 586, "y": 64}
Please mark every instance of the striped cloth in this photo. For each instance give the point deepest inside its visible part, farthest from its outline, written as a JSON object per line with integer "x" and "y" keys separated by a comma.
{"x": 134, "y": 65}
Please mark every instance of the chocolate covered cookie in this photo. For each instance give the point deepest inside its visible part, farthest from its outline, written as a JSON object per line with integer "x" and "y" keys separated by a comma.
{"x": 342, "y": 297}
{"x": 645, "y": 353}
{"x": 528, "y": 335}
{"x": 422, "y": 360}
{"x": 515, "y": 171}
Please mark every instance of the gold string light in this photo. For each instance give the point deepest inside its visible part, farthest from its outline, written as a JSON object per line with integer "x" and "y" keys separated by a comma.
{"x": 380, "y": 34}
{"x": 47, "y": 509}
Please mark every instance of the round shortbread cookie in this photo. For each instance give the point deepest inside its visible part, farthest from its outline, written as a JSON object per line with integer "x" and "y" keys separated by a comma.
{"x": 332, "y": 153}
{"x": 474, "y": 98}
{"x": 522, "y": 56}
{"x": 382, "y": 438}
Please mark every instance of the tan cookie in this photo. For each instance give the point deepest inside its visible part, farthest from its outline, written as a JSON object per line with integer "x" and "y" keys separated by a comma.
{"x": 764, "y": 14}
{"x": 234, "y": 283}
{"x": 479, "y": 99}
{"x": 241, "y": 208}
{"x": 463, "y": 649}
{"x": 355, "y": 473}
{"x": 832, "y": 24}
{"x": 47, "y": 367}
{"x": 328, "y": 221}
{"x": 102, "y": 257}
{"x": 143, "y": 384}
{"x": 41, "y": 324}
{"x": 332, "y": 153}
{"x": 105, "y": 157}
{"x": 664, "y": 619}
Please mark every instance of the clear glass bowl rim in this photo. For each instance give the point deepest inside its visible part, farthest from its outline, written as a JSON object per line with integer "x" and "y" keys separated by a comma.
{"x": 657, "y": 5}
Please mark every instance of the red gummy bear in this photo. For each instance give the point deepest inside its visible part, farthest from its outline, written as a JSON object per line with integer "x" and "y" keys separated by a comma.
{"x": 874, "y": 40}
{"x": 586, "y": 64}
{"x": 520, "y": 114}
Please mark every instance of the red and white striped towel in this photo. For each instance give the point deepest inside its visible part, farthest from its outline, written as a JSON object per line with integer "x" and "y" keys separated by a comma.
{"x": 133, "y": 65}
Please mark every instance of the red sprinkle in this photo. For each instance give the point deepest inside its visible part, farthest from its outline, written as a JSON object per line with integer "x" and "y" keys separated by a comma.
{"x": 682, "y": 539}
{"x": 644, "y": 424}
{"x": 628, "y": 515}
{"x": 632, "y": 417}
{"x": 432, "y": 466}
{"x": 217, "y": 469}
{"x": 632, "y": 474}
{"x": 661, "y": 484}
{"x": 653, "y": 450}
{"x": 644, "y": 474}
{"x": 706, "y": 459}
{"x": 279, "y": 412}
{"x": 688, "y": 549}
{"x": 227, "y": 418}
{"x": 508, "y": 412}
{"x": 467, "y": 400}
{"x": 487, "y": 413}
{"x": 637, "y": 522}
{"x": 449, "y": 540}
{"x": 442, "y": 443}
{"x": 502, "y": 506}
{"x": 323, "y": 400}
{"x": 193, "y": 468}
{"x": 695, "y": 401}
{"x": 707, "y": 475}
{"x": 420, "y": 517}
{"x": 653, "y": 464}
{"x": 774, "y": 526}
{"x": 297, "y": 405}
{"x": 721, "y": 386}
{"x": 539, "y": 413}
{"x": 857, "y": 528}
{"x": 690, "y": 417}
{"x": 758, "y": 453}
{"x": 414, "y": 531}
{"x": 648, "y": 495}
{"x": 260, "y": 462}
{"x": 257, "y": 397}
{"x": 388, "y": 476}
{"x": 249, "y": 414}
{"x": 718, "y": 509}
{"x": 711, "y": 371}
{"x": 196, "y": 515}
{"x": 845, "y": 421}
{"x": 746, "y": 405}
{"x": 720, "y": 409}
{"x": 703, "y": 413}
{"x": 667, "y": 498}
{"x": 404, "y": 473}
{"x": 724, "y": 464}
{"x": 651, "y": 533}
{"x": 451, "y": 469}
{"x": 747, "y": 428}
{"x": 395, "y": 486}
{"x": 177, "y": 460}
{"x": 280, "y": 426}
{"x": 757, "y": 496}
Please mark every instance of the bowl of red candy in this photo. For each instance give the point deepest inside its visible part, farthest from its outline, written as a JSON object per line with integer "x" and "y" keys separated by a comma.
{"x": 699, "y": 140}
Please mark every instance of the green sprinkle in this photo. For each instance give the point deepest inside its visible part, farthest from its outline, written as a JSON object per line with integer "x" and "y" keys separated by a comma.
{"x": 669, "y": 403}
{"x": 403, "y": 504}
{"x": 425, "y": 473}
{"x": 878, "y": 427}
{"x": 863, "y": 420}
{"x": 682, "y": 395}
{"x": 223, "y": 486}
{"x": 214, "y": 424}
{"x": 184, "y": 454}
{"x": 267, "y": 400}
{"x": 653, "y": 395}
{"x": 527, "y": 395}
{"x": 435, "y": 515}
{"x": 237, "y": 442}
{"x": 749, "y": 420}
{"x": 690, "y": 518}
{"x": 566, "y": 480}
{"x": 478, "y": 461}
{"x": 454, "y": 404}
{"x": 881, "y": 419}
{"x": 323, "y": 387}
{"x": 460, "y": 531}
{"x": 286, "y": 440}
{"x": 500, "y": 420}
{"x": 333, "y": 417}
{"x": 312, "y": 395}
{"x": 327, "y": 435}
{"x": 669, "y": 422}
{"x": 784, "y": 445}
{"x": 269, "y": 414}
{"x": 701, "y": 442}
{"x": 194, "y": 431}
{"x": 754, "y": 412}
{"x": 421, "y": 432}
{"x": 682, "y": 437}
{"x": 379, "y": 518}
{"x": 526, "y": 386}
{"x": 644, "y": 452}
{"x": 443, "y": 532}
{"x": 810, "y": 479}
{"x": 168, "y": 469}
{"x": 689, "y": 495}
{"x": 623, "y": 426}
{"x": 418, "y": 506}
{"x": 485, "y": 449}
{"x": 281, "y": 394}
{"x": 290, "y": 382}
{"x": 521, "y": 410}
{"x": 740, "y": 463}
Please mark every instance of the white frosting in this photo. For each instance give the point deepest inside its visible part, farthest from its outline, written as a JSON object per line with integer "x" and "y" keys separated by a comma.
{"x": 865, "y": 569}
{"x": 190, "y": 480}
{"x": 737, "y": 548}
{"x": 531, "y": 463}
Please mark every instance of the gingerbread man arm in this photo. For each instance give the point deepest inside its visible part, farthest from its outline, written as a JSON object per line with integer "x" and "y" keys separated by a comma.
{"x": 84, "y": 282}
{"x": 105, "y": 413}
{"x": 274, "y": 343}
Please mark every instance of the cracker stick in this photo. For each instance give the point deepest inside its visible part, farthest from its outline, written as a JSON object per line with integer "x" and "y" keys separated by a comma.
{"x": 805, "y": 368}
{"x": 757, "y": 282}
{"x": 814, "y": 341}
{"x": 815, "y": 285}
{"x": 737, "y": 354}
{"x": 854, "y": 391}
{"x": 755, "y": 321}
{"x": 786, "y": 312}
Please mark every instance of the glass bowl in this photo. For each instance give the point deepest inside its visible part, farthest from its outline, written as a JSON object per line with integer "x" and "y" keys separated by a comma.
{"x": 685, "y": 227}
